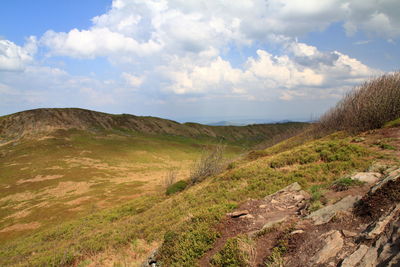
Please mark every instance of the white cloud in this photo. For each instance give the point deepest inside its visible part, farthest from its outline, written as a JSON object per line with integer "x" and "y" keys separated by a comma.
{"x": 14, "y": 57}
{"x": 95, "y": 42}
{"x": 133, "y": 80}
{"x": 308, "y": 73}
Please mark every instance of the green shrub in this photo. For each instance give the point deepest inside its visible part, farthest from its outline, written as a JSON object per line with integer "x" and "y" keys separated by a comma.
{"x": 233, "y": 254}
{"x": 176, "y": 187}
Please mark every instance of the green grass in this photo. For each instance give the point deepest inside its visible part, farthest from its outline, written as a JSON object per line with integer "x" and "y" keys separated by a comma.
{"x": 101, "y": 161}
{"x": 235, "y": 253}
{"x": 176, "y": 187}
{"x": 186, "y": 221}
{"x": 393, "y": 123}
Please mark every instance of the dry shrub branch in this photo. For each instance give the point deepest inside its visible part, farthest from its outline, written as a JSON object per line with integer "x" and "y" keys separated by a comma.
{"x": 368, "y": 106}
{"x": 210, "y": 163}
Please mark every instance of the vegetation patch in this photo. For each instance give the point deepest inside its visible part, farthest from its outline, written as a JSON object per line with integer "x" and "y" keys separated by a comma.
{"x": 368, "y": 106}
{"x": 176, "y": 187}
{"x": 237, "y": 251}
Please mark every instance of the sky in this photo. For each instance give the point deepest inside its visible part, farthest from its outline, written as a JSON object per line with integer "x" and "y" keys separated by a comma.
{"x": 193, "y": 60}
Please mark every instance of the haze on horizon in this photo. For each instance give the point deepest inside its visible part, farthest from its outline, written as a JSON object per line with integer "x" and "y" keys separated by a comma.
{"x": 193, "y": 60}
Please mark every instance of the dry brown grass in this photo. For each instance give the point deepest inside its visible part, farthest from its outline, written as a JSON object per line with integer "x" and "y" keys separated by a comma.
{"x": 368, "y": 106}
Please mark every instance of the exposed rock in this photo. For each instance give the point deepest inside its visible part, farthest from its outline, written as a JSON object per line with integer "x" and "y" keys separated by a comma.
{"x": 151, "y": 260}
{"x": 382, "y": 224}
{"x": 325, "y": 214}
{"x": 247, "y": 216}
{"x": 333, "y": 243}
{"x": 262, "y": 206}
{"x": 238, "y": 213}
{"x": 369, "y": 259}
{"x": 297, "y": 232}
{"x": 348, "y": 233}
{"x": 356, "y": 257}
{"x": 367, "y": 177}
{"x": 273, "y": 201}
{"x": 392, "y": 176}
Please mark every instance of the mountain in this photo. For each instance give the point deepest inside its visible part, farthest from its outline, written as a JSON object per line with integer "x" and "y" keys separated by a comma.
{"x": 39, "y": 122}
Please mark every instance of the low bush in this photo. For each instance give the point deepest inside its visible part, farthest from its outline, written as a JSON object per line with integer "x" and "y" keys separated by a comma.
{"x": 176, "y": 187}
{"x": 236, "y": 252}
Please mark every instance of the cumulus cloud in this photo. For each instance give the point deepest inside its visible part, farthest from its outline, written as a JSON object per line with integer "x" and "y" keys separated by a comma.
{"x": 267, "y": 76}
{"x": 14, "y": 57}
{"x": 184, "y": 48}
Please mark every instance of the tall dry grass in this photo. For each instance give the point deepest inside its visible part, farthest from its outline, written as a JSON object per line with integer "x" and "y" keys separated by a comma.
{"x": 368, "y": 106}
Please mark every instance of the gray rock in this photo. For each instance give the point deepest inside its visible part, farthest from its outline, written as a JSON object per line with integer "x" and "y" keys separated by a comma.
{"x": 325, "y": 214}
{"x": 392, "y": 176}
{"x": 367, "y": 177}
{"x": 382, "y": 224}
{"x": 333, "y": 243}
{"x": 238, "y": 213}
{"x": 356, "y": 257}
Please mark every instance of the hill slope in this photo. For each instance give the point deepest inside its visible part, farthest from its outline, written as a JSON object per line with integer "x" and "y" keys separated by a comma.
{"x": 42, "y": 121}
{"x": 187, "y": 223}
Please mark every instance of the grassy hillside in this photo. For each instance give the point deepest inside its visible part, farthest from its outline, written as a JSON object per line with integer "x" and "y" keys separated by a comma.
{"x": 62, "y": 164}
{"x": 185, "y": 222}
{"x": 33, "y": 123}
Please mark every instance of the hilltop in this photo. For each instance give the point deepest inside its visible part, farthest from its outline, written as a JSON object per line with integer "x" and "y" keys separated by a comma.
{"x": 38, "y": 122}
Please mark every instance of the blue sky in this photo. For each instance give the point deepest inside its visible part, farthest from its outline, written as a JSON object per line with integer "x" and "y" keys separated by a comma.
{"x": 193, "y": 60}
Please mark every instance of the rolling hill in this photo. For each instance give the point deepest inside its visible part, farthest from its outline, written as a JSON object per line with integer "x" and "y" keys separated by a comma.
{"x": 61, "y": 164}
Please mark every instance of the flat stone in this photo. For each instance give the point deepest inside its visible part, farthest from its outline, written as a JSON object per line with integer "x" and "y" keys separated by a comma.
{"x": 238, "y": 213}
{"x": 295, "y": 232}
{"x": 262, "y": 206}
{"x": 333, "y": 243}
{"x": 356, "y": 257}
{"x": 325, "y": 214}
{"x": 272, "y": 223}
{"x": 369, "y": 259}
{"x": 247, "y": 216}
{"x": 380, "y": 226}
{"x": 367, "y": 177}
{"x": 392, "y": 176}
{"x": 348, "y": 233}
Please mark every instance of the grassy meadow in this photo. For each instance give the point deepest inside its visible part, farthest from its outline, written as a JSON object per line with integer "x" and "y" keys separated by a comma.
{"x": 73, "y": 173}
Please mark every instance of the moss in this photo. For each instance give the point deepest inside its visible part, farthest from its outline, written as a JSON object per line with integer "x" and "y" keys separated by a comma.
{"x": 176, "y": 187}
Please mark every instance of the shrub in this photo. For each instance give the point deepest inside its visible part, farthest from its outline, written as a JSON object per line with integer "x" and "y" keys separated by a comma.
{"x": 176, "y": 187}
{"x": 368, "y": 106}
{"x": 210, "y": 163}
{"x": 236, "y": 252}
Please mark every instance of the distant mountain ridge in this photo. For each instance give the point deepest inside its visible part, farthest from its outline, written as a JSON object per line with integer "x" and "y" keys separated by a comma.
{"x": 42, "y": 121}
